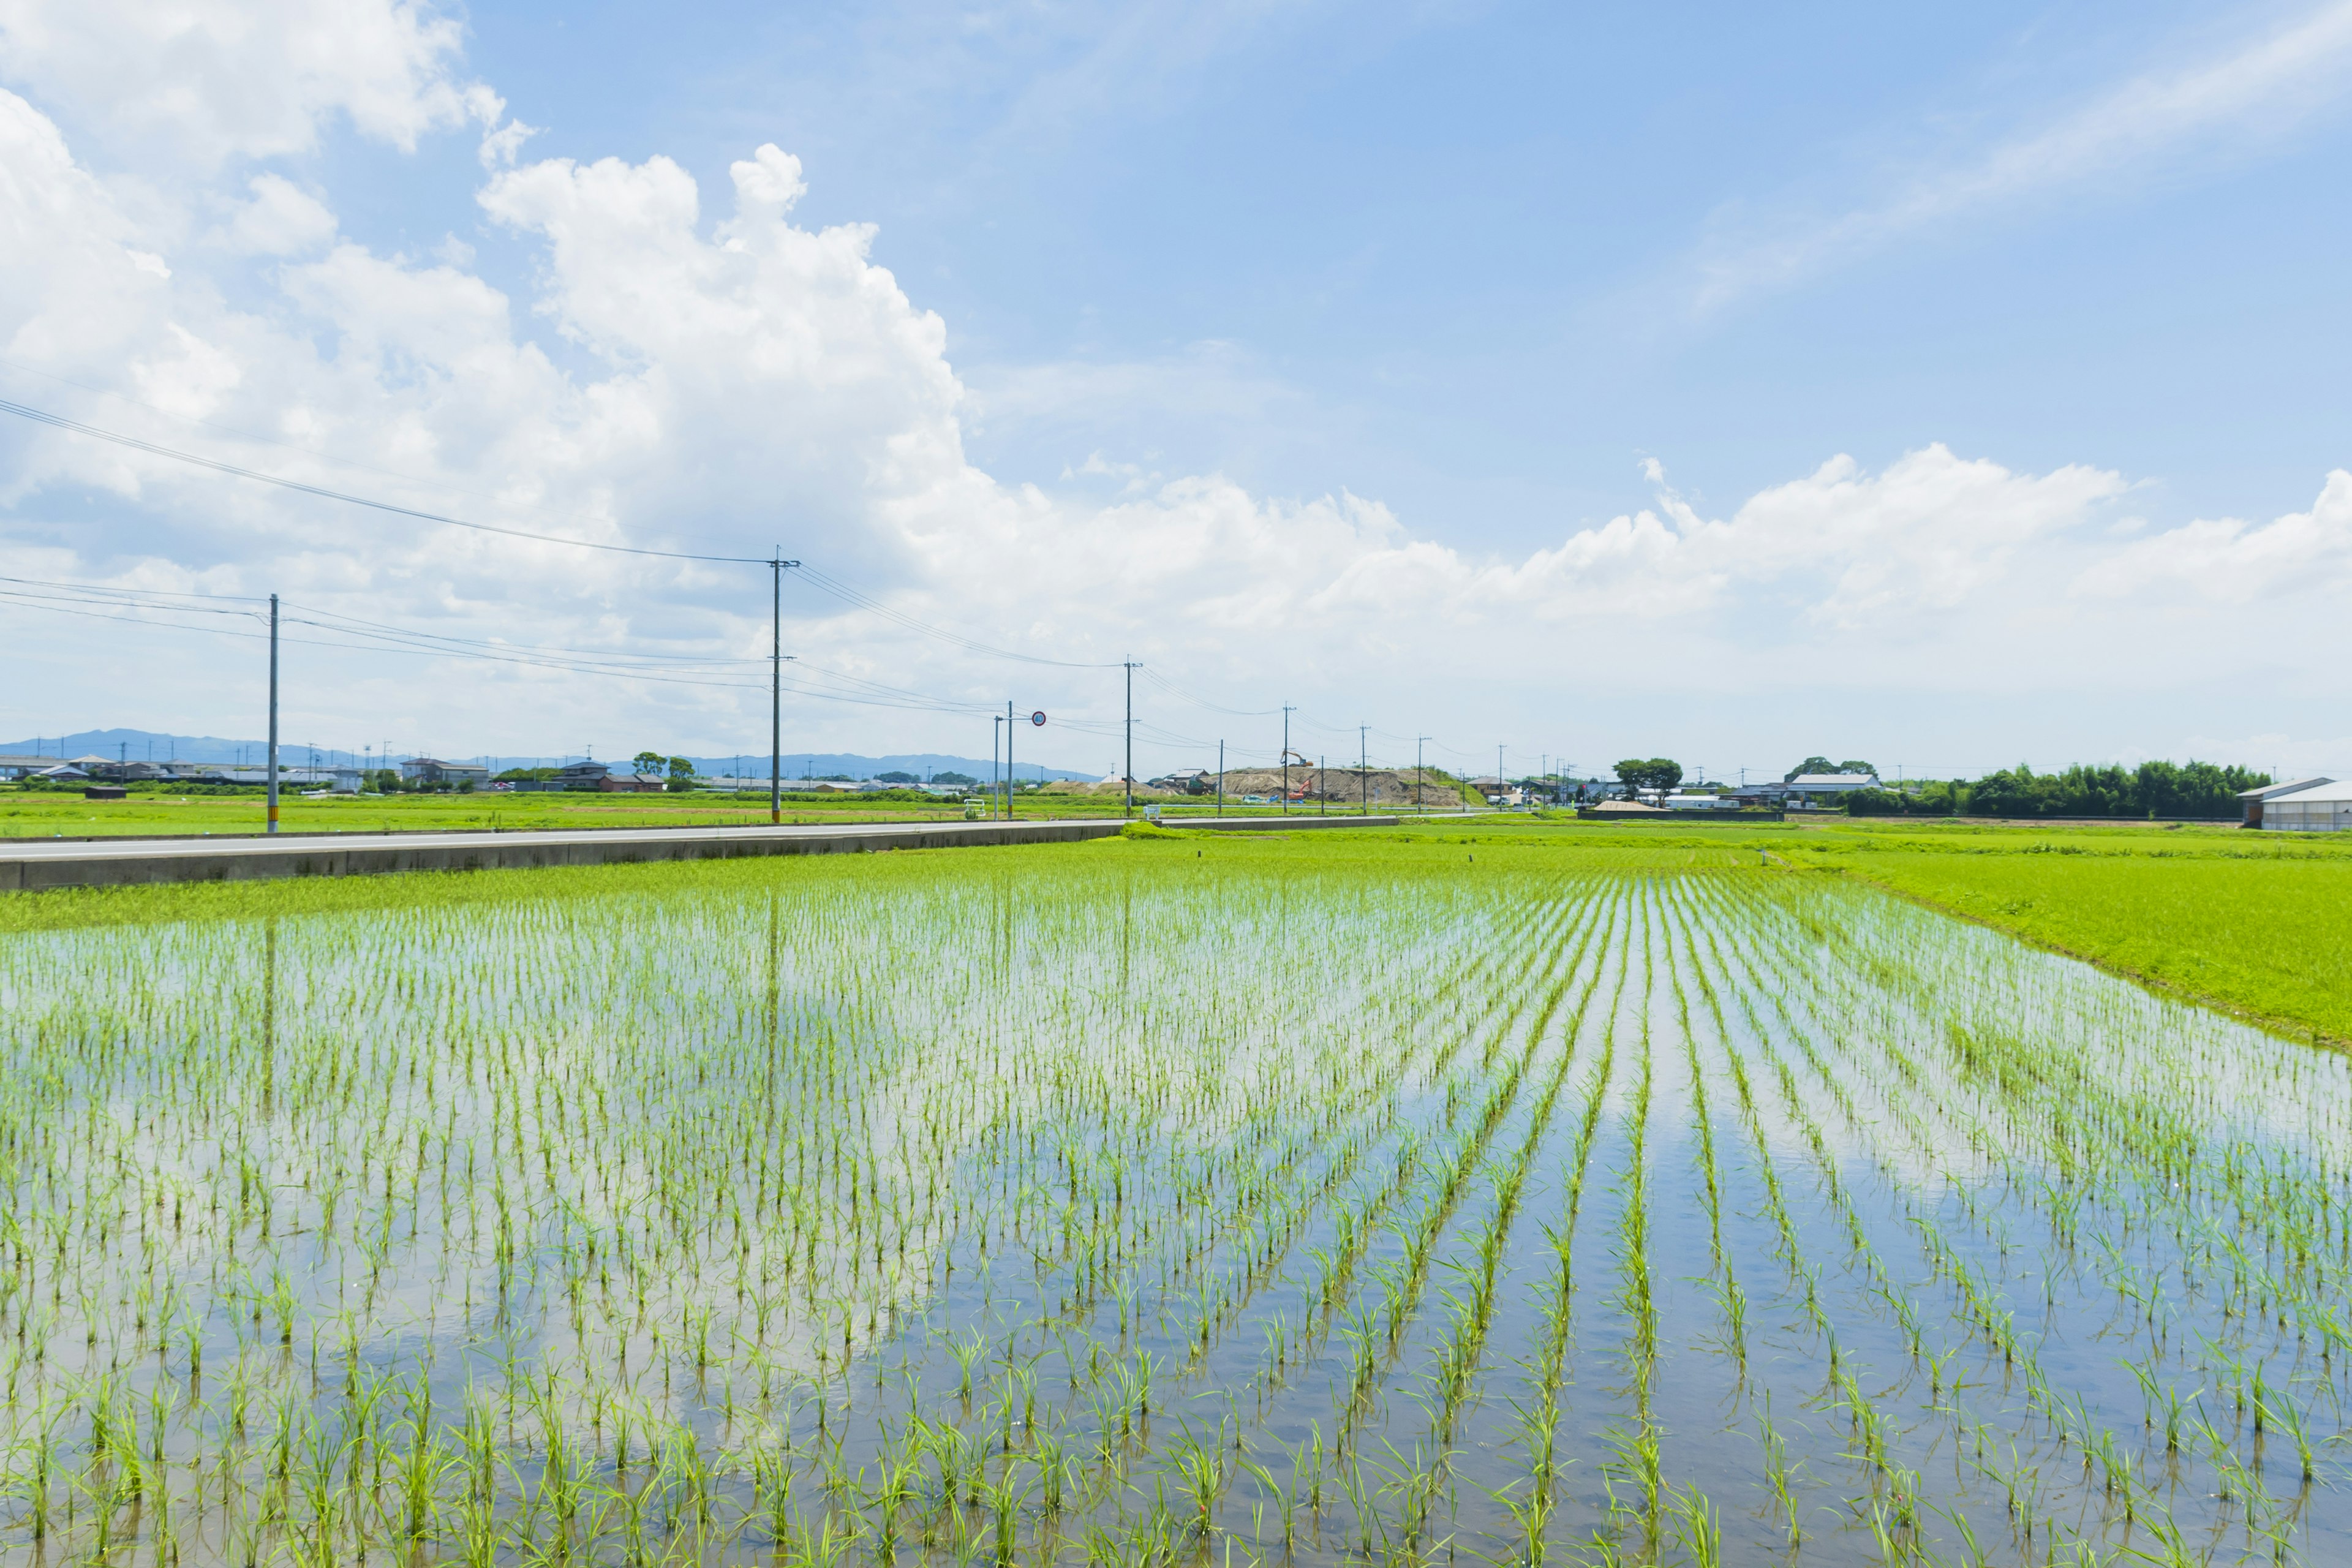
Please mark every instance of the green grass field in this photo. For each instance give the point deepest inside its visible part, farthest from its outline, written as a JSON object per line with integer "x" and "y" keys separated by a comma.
{"x": 2261, "y": 923}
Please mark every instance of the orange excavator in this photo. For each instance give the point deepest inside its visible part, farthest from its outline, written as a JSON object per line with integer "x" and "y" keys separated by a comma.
{"x": 1300, "y": 793}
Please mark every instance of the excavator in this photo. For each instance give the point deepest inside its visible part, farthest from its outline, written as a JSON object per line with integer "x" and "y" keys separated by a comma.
{"x": 1299, "y": 793}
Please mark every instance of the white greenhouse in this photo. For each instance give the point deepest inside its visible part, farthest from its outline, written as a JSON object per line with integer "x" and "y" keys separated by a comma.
{"x": 2322, "y": 808}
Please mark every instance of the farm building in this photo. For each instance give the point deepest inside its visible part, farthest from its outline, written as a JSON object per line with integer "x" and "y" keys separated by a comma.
{"x": 2321, "y": 809}
{"x": 1814, "y": 788}
{"x": 2253, "y": 800}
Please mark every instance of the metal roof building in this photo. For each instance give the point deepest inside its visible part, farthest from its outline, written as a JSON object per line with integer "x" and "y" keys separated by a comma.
{"x": 1830, "y": 783}
{"x": 2324, "y": 807}
{"x": 2253, "y": 799}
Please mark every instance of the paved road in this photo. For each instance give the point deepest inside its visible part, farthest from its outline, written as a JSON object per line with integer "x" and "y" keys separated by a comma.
{"x": 32, "y": 864}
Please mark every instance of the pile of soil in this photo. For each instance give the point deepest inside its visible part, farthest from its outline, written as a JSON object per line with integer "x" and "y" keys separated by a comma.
{"x": 1105, "y": 791}
{"x": 1380, "y": 786}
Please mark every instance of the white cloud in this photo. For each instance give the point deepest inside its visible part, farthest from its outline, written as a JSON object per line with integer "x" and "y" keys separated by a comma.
{"x": 2233, "y": 562}
{"x": 729, "y": 382}
{"x": 182, "y": 84}
{"x": 279, "y": 218}
{"x": 2260, "y": 87}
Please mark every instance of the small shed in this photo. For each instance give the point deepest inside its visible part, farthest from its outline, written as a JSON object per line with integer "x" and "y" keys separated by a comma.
{"x": 2253, "y": 800}
{"x": 2319, "y": 808}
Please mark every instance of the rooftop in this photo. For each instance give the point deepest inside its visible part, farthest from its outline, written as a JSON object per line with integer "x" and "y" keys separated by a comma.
{"x": 2315, "y": 792}
{"x": 2271, "y": 792}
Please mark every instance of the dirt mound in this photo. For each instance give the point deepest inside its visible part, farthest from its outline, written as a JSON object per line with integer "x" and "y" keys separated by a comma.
{"x": 1377, "y": 786}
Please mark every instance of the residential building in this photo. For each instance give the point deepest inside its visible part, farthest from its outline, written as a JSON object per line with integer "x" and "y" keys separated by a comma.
{"x": 433, "y": 770}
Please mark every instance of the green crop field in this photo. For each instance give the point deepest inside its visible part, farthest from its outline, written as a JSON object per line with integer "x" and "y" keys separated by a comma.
{"x": 1503, "y": 1193}
{"x": 57, "y": 813}
{"x": 2261, "y": 923}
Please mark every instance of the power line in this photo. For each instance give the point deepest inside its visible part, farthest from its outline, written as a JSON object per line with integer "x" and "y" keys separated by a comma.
{"x": 378, "y": 634}
{"x": 58, "y": 421}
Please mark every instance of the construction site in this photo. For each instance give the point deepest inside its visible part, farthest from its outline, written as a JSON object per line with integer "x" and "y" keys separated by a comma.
{"x": 1377, "y": 788}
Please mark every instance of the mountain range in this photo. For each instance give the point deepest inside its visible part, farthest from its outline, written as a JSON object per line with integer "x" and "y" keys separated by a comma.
{"x": 147, "y": 745}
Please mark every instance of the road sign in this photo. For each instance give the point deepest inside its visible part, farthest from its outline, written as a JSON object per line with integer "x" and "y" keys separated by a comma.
{"x": 1038, "y": 717}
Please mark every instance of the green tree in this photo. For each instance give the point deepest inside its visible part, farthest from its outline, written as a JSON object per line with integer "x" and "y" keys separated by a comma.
{"x": 681, "y": 773}
{"x": 1810, "y": 766}
{"x": 649, "y": 762}
{"x": 1863, "y": 768}
{"x": 1649, "y": 772}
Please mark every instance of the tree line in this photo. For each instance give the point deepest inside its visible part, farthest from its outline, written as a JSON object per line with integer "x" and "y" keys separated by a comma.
{"x": 2152, "y": 789}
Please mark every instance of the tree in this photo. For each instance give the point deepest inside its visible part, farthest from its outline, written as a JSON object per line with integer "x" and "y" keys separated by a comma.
{"x": 681, "y": 773}
{"x": 894, "y": 776}
{"x": 1649, "y": 772}
{"x": 959, "y": 780}
{"x": 1863, "y": 768}
{"x": 1810, "y": 766}
{"x": 649, "y": 762}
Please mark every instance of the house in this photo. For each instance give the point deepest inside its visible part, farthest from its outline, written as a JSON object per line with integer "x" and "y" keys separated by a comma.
{"x": 632, "y": 783}
{"x": 2253, "y": 800}
{"x": 589, "y": 773}
{"x": 2318, "y": 806}
{"x": 433, "y": 770}
{"x": 1697, "y": 802}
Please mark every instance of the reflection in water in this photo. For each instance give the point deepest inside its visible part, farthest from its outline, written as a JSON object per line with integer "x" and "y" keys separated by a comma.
{"x": 1157, "y": 1210}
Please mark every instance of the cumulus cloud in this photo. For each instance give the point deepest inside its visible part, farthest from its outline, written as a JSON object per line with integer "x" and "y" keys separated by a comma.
{"x": 278, "y": 218}
{"x": 200, "y": 84}
{"x": 728, "y": 382}
{"x": 2230, "y": 561}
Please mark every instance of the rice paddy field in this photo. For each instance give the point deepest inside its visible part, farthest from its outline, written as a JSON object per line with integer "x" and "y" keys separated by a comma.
{"x": 1154, "y": 1201}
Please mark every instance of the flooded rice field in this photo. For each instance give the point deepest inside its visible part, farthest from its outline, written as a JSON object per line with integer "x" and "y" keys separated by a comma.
{"x": 1076, "y": 1211}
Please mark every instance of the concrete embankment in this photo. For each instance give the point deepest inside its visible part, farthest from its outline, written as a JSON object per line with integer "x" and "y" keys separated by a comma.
{"x": 35, "y": 865}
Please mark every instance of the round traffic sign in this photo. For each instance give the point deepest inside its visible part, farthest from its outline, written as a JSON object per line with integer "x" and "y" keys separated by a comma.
{"x": 1038, "y": 717}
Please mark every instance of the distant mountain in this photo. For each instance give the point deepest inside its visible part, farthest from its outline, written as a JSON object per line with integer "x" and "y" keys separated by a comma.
{"x": 145, "y": 745}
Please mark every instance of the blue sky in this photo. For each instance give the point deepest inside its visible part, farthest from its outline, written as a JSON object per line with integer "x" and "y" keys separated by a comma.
{"x": 1459, "y": 252}
{"x": 1459, "y": 362}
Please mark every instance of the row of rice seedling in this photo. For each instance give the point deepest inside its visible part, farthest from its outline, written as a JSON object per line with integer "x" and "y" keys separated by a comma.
{"x": 1132, "y": 1207}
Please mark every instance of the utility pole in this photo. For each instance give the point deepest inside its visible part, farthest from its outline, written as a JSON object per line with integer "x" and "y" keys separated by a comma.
{"x": 776, "y": 692}
{"x": 1130, "y": 738}
{"x": 1363, "y": 770}
{"x": 273, "y": 713}
{"x": 1322, "y": 800}
{"x": 1502, "y": 785}
{"x": 1221, "y": 778}
{"x": 994, "y": 725}
{"x": 1008, "y": 759}
{"x": 1419, "y": 805}
{"x": 1287, "y": 712}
